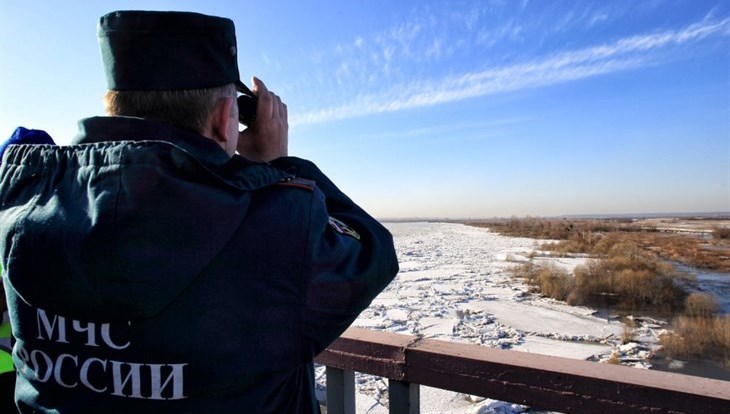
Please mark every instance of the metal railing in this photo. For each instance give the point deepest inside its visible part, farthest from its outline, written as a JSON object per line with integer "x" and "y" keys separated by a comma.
{"x": 539, "y": 381}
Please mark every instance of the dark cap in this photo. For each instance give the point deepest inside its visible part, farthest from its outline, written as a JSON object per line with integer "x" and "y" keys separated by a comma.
{"x": 152, "y": 50}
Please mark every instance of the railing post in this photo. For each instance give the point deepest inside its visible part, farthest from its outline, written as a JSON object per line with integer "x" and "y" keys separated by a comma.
{"x": 404, "y": 397}
{"x": 340, "y": 391}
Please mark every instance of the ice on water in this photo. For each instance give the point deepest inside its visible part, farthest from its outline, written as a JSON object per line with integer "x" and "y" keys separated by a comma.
{"x": 454, "y": 285}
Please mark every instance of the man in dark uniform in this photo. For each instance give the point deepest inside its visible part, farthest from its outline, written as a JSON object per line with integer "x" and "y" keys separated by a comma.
{"x": 150, "y": 268}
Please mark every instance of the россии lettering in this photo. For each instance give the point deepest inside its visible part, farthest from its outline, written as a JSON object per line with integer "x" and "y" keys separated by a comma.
{"x": 119, "y": 378}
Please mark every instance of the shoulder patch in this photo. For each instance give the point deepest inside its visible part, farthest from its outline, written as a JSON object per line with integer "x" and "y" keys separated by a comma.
{"x": 343, "y": 228}
{"x": 296, "y": 182}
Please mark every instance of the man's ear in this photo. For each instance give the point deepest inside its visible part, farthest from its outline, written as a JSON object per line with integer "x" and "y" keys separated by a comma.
{"x": 219, "y": 120}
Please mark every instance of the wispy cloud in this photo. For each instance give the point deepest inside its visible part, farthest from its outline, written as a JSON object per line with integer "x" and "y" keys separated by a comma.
{"x": 598, "y": 17}
{"x": 448, "y": 130}
{"x": 624, "y": 54}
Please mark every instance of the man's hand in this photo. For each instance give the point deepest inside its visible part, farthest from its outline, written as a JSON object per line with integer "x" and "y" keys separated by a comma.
{"x": 268, "y": 138}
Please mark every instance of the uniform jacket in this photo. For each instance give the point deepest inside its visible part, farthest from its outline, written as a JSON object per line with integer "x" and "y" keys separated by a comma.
{"x": 146, "y": 271}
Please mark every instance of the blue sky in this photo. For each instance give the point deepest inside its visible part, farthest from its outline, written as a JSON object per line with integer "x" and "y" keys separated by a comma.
{"x": 443, "y": 108}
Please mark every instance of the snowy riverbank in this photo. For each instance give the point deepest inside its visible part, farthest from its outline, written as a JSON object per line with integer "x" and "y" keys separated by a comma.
{"x": 454, "y": 285}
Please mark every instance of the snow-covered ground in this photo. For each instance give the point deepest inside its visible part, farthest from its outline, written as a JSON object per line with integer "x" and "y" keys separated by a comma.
{"x": 454, "y": 286}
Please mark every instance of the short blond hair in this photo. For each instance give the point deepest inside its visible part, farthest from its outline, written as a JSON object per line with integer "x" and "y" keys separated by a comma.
{"x": 188, "y": 109}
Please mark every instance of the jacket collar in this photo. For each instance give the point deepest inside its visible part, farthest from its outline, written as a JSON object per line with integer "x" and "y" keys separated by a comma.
{"x": 237, "y": 170}
{"x": 125, "y": 128}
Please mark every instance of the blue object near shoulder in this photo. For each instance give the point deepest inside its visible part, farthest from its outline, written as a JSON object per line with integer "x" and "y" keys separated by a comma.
{"x": 26, "y": 136}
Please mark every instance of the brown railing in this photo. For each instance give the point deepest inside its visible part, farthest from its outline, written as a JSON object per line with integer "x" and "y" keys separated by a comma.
{"x": 539, "y": 381}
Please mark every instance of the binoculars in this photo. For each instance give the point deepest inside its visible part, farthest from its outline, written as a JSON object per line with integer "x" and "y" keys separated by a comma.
{"x": 246, "y": 106}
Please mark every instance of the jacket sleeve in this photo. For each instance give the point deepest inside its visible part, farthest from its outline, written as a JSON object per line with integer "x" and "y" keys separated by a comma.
{"x": 350, "y": 259}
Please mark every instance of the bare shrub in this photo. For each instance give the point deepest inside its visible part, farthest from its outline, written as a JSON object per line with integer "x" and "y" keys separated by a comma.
{"x": 556, "y": 229}
{"x": 637, "y": 286}
{"x": 597, "y": 237}
{"x": 690, "y": 250}
{"x": 549, "y": 280}
{"x": 721, "y": 233}
{"x": 524, "y": 271}
{"x": 634, "y": 276}
{"x": 614, "y": 359}
{"x": 699, "y": 337}
{"x": 589, "y": 279}
{"x": 628, "y": 335}
{"x": 528, "y": 273}
{"x": 700, "y": 305}
{"x": 554, "y": 282}
{"x": 578, "y": 242}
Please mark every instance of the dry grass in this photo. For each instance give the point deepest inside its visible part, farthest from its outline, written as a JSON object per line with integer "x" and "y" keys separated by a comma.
{"x": 699, "y": 337}
{"x": 579, "y": 242}
{"x": 614, "y": 359}
{"x": 722, "y": 233}
{"x": 700, "y": 305}
{"x": 549, "y": 280}
{"x": 631, "y": 269}
{"x": 687, "y": 249}
{"x": 596, "y": 237}
{"x": 630, "y": 275}
{"x": 625, "y": 274}
{"x": 628, "y": 334}
{"x": 555, "y": 229}
{"x": 699, "y": 333}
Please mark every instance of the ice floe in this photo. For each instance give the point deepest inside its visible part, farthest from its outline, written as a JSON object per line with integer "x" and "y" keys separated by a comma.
{"x": 454, "y": 285}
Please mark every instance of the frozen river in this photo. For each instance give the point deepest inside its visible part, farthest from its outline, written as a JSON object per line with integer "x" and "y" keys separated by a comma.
{"x": 454, "y": 286}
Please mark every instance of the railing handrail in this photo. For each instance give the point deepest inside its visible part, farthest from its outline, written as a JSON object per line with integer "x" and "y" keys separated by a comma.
{"x": 540, "y": 381}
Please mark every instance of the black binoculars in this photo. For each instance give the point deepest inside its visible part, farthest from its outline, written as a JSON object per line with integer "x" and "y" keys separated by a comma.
{"x": 246, "y": 105}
